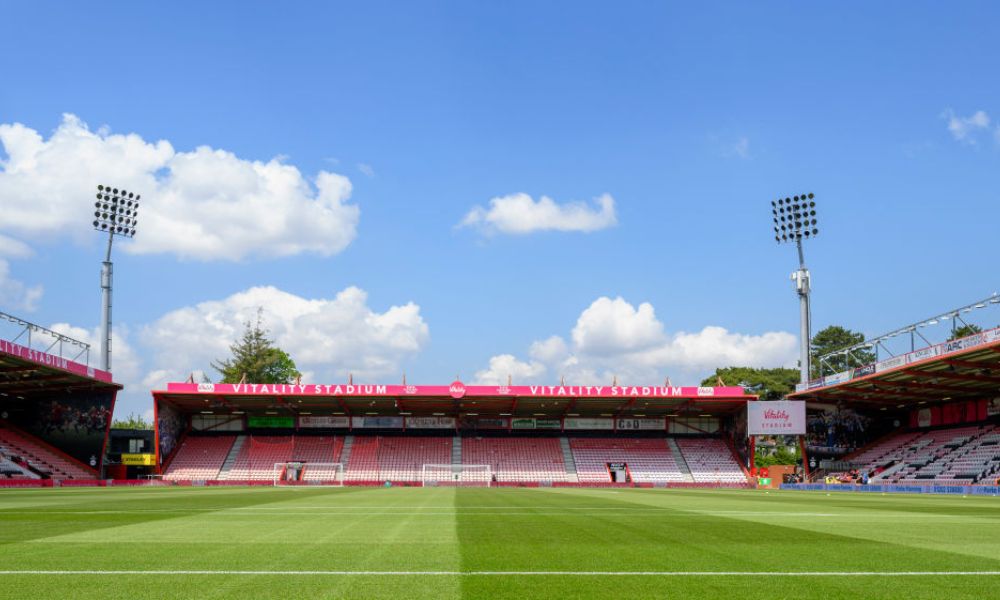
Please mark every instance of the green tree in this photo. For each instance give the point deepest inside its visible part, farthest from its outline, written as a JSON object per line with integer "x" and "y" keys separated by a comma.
{"x": 782, "y": 455}
{"x": 964, "y": 330}
{"x": 256, "y": 357}
{"x": 132, "y": 421}
{"x": 833, "y": 338}
{"x": 769, "y": 384}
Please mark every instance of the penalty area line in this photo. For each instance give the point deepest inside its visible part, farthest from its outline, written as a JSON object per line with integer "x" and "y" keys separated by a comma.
{"x": 511, "y": 573}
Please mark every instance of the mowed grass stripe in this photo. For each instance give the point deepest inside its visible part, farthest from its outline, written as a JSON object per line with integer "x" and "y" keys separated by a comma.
{"x": 619, "y": 542}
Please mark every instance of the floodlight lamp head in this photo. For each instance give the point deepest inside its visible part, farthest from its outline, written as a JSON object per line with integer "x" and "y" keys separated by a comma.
{"x": 116, "y": 210}
{"x": 795, "y": 216}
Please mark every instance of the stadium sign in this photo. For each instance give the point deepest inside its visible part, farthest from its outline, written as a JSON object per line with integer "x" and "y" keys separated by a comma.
{"x": 456, "y": 390}
{"x": 51, "y": 360}
{"x": 782, "y": 417}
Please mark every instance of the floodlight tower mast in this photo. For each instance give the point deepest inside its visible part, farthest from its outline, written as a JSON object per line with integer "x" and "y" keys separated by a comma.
{"x": 795, "y": 220}
{"x": 115, "y": 213}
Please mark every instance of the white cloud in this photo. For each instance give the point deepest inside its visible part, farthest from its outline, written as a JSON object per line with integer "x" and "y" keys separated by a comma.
{"x": 206, "y": 204}
{"x": 614, "y": 338}
{"x": 12, "y": 248}
{"x": 964, "y": 129}
{"x": 328, "y": 337}
{"x": 14, "y": 294}
{"x": 551, "y": 350}
{"x": 505, "y": 366}
{"x": 740, "y": 148}
{"x": 519, "y": 214}
{"x": 614, "y": 326}
{"x": 366, "y": 169}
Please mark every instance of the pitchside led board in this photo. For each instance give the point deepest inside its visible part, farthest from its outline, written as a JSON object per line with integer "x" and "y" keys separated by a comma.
{"x": 782, "y": 417}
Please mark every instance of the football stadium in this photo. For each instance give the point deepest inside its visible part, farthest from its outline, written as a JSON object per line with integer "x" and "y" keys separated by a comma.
{"x": 491, "y": 300}
{"x": 377, "y": 490}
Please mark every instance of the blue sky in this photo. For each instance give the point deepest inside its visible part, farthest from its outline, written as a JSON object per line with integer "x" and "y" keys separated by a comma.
{"x": 691, "y": 118}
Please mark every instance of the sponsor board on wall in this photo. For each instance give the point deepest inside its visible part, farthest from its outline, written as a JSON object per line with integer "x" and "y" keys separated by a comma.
{"x": 378, "y": 422}
{"x": 919, "y": 355}
{"x": 548, "y": 424}
{"x": 139, "y": 460}
{"x": 966, "y": 342}
{"x": 324, "y": 422}
{"x": 522, "y": 423}
{"x": 890, "y": 363}
{"x": 578, "y": 423}
{"x": 864, "y": 371}
{"x": 838, "y": 377}
{"x": 430, "y": 422}
{"x": 643, "y": 424}
{"x": 782, "y": 417}
{"x": 924, "y": 417}
{"x": 216, "y": 423}
{"x": 270, "y": 422}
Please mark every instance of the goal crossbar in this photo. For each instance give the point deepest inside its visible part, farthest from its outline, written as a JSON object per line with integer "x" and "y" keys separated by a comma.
{"x": 308, "y": 473}
{"x": 456, "y": 475}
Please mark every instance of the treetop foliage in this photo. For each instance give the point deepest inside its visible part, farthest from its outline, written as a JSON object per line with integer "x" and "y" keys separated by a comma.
{"x": 256, "y": 358}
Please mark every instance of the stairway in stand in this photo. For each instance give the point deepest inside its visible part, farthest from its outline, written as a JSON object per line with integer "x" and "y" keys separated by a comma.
{"x": 345, "y": 453}
{"x": 679, "y": 459}
{"x": 568, "y": 459}
{"x": 231, "y": 457}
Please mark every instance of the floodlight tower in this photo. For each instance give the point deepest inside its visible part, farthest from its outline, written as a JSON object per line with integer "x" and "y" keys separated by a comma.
{"x": 115, "y": 213}
{"x": 794, "y": 221}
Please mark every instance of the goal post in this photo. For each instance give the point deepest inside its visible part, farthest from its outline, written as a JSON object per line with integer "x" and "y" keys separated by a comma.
{"x": 308, "y": 473}
{"x": 456, "y": 475}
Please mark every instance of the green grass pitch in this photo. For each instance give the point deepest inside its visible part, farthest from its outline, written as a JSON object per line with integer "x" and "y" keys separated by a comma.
{"x": 494, "y": 543}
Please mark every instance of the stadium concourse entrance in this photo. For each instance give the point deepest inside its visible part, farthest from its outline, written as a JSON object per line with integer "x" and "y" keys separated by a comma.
{"x": 619, "y": 472}
{"x": 457, "y": 435}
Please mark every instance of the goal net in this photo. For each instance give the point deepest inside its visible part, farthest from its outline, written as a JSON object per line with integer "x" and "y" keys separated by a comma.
{"x": 309, "y": 473}
{"x": 457, "y": 475}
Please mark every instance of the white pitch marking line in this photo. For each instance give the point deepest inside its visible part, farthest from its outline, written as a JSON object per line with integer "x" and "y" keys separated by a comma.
{"x": 551, "y": 511}
{"x": 516, "y": 573}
